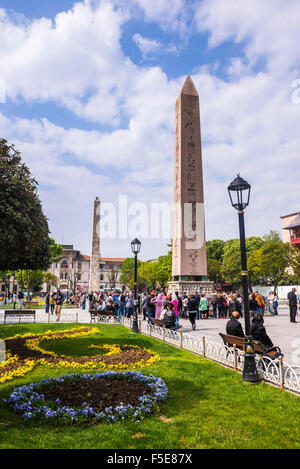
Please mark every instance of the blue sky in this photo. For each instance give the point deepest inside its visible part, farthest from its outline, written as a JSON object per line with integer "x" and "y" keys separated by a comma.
{"x": 90, "y": 94}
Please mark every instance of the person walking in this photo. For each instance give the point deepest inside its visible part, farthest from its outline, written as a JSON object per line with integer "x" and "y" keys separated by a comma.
{"x": 130, "y": 305}
{"x": 52, "y": 304}
{"x": 185, "y": 306}
{"x": 47, "y": 303}
{"x": 192, "y": 310}
{"x": 150, "y": 306}
{"x": 83, "y": 300}
{"x": 21, "y": 299}
{"x": 59, "y": 299}
{"x": 14, "y": 299}
{"x": 292, "y": 297}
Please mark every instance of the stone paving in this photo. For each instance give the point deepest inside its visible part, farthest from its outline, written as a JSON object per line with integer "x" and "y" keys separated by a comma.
{"x": 281, "y": 331}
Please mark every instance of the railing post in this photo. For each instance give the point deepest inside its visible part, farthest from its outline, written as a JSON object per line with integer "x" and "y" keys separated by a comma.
{"x": 235, "y": 356}
{"x": 150, "y": 329}
{"x": 203, "y": 340}
{"x": 76, "y": 317}
{"x": 164, "y": 333}
{"x": 48, "y": 318}
{"x": 281, "y": 372}
{"x": 180, "y": 332}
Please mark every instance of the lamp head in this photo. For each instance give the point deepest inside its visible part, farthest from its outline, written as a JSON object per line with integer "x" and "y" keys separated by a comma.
{"x": 239, "y": 193}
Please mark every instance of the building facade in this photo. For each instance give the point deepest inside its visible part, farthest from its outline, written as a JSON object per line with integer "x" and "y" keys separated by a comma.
{"x": 290, "y": 227}
{"x": 73, "y": 271}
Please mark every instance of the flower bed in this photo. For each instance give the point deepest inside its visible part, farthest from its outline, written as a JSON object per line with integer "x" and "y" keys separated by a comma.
{"x": 102, "y": 397}
{"x": 25, "y": 352}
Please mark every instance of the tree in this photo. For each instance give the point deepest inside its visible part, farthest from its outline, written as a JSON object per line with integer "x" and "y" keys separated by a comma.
{"x": 215, "y": 249}
{"x": 214, "y": 269}
{"x": 24, "y": 233}
{"x": 51, "y": 280}
{"x": 56, "y": 251}
{"x": 271, "y": 261}
{"x": 112, "y": 277}
{"x": 273, "y": 235}
{"x": 127, "y": 271}
{"x": 231, "y": 264}
{"x": 32, "y": 280}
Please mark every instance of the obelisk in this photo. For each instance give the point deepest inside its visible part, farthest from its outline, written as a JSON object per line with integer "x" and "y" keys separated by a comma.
{"x": 94, "y": 281}
{"x": 189, "y": 268}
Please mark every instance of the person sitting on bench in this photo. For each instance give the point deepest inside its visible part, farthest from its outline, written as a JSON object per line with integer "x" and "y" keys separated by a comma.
{"x": 168, "y": 317}
{"x": 258, "y": 331}
{"x": 233, "y": 326}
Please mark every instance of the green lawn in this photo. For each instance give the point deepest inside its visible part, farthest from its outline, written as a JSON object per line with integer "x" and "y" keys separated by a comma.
{"x": 210, "y": 406}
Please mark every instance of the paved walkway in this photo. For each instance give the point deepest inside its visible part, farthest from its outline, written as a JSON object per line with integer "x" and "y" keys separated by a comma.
{"x": 282, "y": 332}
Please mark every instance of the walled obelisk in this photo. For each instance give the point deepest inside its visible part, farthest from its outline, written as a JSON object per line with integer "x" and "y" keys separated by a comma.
{"x": 94, "y": 281}
{"x": 189, "y": 268}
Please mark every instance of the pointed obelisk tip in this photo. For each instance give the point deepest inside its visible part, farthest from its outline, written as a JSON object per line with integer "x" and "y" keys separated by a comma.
{"x": 97, "y": 199}
{"x": 189, "y": 87}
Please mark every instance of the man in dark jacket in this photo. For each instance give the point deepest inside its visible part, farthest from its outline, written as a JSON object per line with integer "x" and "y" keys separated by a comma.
{"x": 150, "y": 307}
{"x": 233, "y": 326}
{"x": 192, "y": 310}
{"x": 292, "y": 304}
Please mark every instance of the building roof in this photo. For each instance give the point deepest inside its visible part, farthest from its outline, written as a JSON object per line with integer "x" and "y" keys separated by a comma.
{"x": 107, "y": 259}
{"x": 294, "y": 224}
{"x": 291, "y": 215}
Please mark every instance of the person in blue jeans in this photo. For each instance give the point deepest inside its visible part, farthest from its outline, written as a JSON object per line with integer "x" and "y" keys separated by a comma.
{"x": 121, "y": 305}
{"x": 130, "y": 305}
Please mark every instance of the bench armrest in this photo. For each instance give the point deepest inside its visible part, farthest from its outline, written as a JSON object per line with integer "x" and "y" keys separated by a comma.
{"x": 274, "y": 349}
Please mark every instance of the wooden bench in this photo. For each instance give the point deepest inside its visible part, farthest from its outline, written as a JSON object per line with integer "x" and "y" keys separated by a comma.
{"x": 15, "y": 313}
{"x": 95, "y": 314}
{"x": 259, "y": 348}
{"x": 158, "y": 322}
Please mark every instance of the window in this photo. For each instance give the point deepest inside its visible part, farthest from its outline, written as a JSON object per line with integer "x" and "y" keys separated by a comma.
{"x": 101, "y": 277}
{"x": 64, "y": 264}
{"x": 79, "y": 265}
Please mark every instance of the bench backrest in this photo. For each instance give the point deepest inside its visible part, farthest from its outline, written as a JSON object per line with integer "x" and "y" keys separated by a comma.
{"x": 15, "y": 312}
{"x": 239, "y": 342}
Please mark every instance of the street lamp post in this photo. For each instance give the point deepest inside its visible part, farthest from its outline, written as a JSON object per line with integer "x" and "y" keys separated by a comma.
{"x": 239, "y": 193}
{"x": 135, "y": 247}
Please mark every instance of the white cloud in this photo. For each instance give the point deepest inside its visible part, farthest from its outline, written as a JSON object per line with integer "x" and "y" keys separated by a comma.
{"x": 249, "y": 123}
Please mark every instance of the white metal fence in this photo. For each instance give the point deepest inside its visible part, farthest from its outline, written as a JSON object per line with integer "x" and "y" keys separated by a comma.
{"x": 278, "y": 372}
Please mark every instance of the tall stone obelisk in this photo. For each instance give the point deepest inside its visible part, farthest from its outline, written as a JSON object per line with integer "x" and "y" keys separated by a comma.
{"x": 94, "y": 281}
{"x": 189, "y": 268}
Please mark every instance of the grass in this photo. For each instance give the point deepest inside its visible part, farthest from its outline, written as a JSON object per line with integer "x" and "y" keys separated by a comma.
{"x": 210, "y": 406}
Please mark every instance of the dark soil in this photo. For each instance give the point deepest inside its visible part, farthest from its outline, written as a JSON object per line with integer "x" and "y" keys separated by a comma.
{"x": 98, "y": 393}
{"x": 129, "y": 355}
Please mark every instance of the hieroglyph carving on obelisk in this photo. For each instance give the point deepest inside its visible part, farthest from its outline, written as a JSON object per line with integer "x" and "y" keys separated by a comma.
{"x": 189, "y": 246}
{"x": 94, "y": 281}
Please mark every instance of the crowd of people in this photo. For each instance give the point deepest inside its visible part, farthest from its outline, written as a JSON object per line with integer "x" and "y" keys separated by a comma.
{"x": 163, "y": 305}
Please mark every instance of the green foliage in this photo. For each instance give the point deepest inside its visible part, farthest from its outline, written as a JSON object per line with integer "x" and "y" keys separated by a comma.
{"x": 56, "y": 251}
{"x": 273, "y": 235}
{"x": 215, "y": 249}
{"x": 271, "y": 261}
{"x": 51, "y": 280}
{"x": 24, "y": 239}
{"x": 231, "y": 265}
{"x": 214, "y": 270}
{"x": 32, "y": 280}
{"x": 223, "y": 411}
